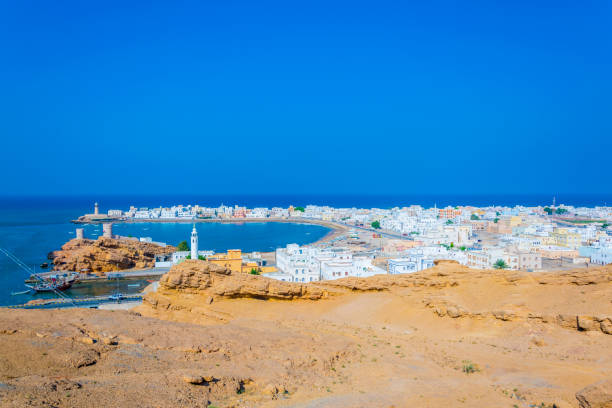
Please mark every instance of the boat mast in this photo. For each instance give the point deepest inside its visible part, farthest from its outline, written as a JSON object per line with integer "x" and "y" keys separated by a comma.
{"x": 29, "y": 270}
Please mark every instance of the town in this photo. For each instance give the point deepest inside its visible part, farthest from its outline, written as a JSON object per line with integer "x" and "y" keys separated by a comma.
{"x": 398, "y": 240}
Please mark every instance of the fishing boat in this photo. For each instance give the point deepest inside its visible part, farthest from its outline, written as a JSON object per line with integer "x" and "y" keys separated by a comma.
{"x": 37, "y": 278}
{"x": 52, "y": 285}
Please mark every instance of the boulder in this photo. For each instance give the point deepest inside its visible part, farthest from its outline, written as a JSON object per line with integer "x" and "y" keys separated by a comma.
{"x": 598, "y": 395}
{"x": 454, "y": 312}
{"x": 193, "y": 379}
{"x": 504, "y": 315}
{"x": 585, "y": 323}
{"x": 109, "y": 341}
{"x": 567, "y": 321}
{"x": 606, "y": 325}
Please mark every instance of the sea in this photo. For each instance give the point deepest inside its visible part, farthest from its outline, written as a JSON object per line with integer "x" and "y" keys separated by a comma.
{"x": 33, "y": 226}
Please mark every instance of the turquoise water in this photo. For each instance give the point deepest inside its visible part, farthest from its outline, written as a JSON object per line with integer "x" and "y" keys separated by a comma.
{"x": 31, "y": 233}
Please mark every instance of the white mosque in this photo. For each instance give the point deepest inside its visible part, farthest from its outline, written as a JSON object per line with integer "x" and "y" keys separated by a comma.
{"x": 194, "y": 243}
{"x": 193, "y": 253}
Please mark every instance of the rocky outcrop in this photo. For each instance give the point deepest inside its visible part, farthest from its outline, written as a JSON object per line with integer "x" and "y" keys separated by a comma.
{"x": 210, "y": 280}
{"x": 107, "y": 255}
{"x": 598, "y": 395}
{"x": 450, "y": 290}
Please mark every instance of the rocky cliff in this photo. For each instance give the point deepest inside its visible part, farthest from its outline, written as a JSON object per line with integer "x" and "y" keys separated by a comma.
{"x": 107, "y": 255}
{"x": 447, "y": 290}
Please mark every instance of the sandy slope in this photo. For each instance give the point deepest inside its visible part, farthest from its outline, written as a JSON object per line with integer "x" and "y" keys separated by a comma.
{"x": 377, "y": 342}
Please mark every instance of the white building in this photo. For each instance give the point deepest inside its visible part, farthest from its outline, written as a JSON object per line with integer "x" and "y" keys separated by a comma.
{"x": 142, "y": 213}
{"x": 411, "y": 264}
{"x": 168, "y": 213}
{"x": 278, "y": 212}
{"x": 602, "y": 256}
{"x": 363, "y": 267}
{"x": 306, "y": 264}
{"x": 194, "y": 243}
{"x": 487, "y": 257}
{"x": 298, "y": 263}
{"x": 258, "y": 213}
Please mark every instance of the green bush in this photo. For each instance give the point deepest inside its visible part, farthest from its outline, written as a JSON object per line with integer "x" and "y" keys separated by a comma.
{"x": 500, "y": 264}
{"x": 468, "y": 367}
{"x": 182, "y": 246}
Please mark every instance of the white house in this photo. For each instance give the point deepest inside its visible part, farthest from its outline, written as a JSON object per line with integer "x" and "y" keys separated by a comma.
{"x": 306, "y": 264}
{"x": 411, "y": 264}
{"x": 298, "y": 263}
{"x": 602, "y": 256}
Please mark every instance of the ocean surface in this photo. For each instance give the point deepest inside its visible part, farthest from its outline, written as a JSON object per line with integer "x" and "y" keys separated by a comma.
{"x": 30, "y": 227}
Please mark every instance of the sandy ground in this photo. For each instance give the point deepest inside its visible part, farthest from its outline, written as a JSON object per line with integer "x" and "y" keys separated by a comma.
{"x": 449, "y": 337}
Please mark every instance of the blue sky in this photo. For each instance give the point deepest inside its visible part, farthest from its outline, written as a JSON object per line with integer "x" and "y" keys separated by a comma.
{"x": 312, "y": 97}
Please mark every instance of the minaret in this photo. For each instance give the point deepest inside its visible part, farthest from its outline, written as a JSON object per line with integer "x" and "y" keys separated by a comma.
{"x": 194, "y": 243}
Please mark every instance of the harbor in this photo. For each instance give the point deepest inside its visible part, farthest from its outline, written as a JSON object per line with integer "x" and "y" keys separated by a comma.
{"x": 90, "y": 277}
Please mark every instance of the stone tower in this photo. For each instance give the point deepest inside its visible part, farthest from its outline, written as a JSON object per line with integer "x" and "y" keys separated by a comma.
{"x": 107, "y": 230}
{"x": 194, "y": 243}
{"x": 96, "y": 209}
{"x": 79, "y": 233}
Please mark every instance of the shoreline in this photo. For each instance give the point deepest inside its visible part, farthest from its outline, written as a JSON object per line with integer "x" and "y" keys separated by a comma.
{"x": 335, "y": 229}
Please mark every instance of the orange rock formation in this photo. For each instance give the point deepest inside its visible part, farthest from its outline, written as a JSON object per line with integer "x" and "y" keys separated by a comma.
{"x": 107, "y": 255}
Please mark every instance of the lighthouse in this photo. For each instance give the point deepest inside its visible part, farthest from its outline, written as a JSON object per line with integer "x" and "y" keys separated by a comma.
{"x": 194, "y": 243}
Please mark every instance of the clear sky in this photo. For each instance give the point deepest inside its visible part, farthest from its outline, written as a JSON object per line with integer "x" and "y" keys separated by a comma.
{"x": 305, "y": 97}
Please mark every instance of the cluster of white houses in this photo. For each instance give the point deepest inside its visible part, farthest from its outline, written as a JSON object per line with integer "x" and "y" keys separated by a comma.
{"x": 522, "y": 237}
{"x": 310, "y": 264}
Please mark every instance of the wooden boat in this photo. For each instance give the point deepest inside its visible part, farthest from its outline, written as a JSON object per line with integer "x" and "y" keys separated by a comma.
{"x": 51, "y": 286}
{"x": 54, "y": 284}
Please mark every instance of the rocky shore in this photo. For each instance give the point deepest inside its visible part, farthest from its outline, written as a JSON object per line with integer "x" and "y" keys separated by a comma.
{"x": 106, "y": 255}
{"x": 447, "y": 336}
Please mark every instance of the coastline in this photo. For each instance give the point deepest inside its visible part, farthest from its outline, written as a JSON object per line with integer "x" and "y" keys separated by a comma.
{"x": 335, "y": 228}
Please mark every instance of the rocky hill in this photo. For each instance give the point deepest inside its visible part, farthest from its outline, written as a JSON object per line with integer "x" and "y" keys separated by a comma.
{"x": 106, "y": 255}
{"x": 448, "y": 336}
{"x": 448, "y": 290}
